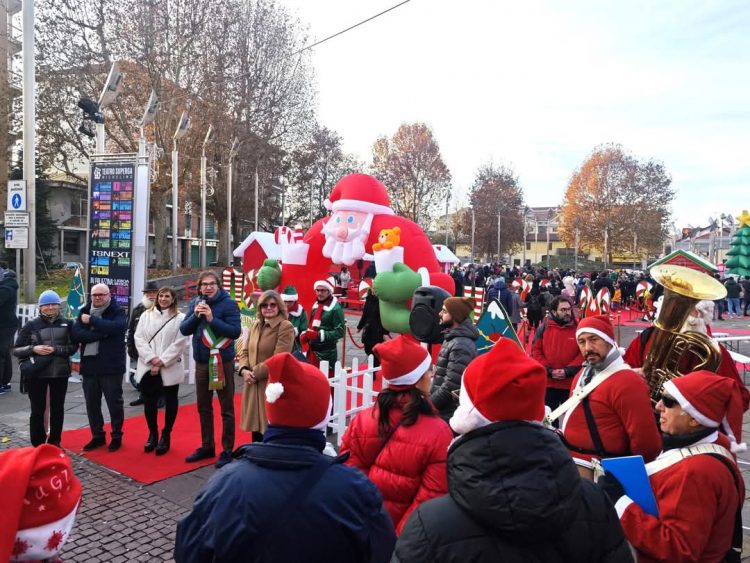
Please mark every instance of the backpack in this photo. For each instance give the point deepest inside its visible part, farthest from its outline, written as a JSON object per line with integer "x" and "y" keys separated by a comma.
{"x": 534, "y": 303}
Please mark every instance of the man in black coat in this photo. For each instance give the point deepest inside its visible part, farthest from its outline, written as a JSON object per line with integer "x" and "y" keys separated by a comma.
{"x": 8, "y": 323}
{"x": 514, "y": 492}
{"x": 100, "y": 329}
{"x": 284, "y": 500}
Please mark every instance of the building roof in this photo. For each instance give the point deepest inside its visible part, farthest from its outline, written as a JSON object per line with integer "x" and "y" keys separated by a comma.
{"x": 444, "y": 254}
{"x": 266, "y": 241}
{"x": 681, "y": 257}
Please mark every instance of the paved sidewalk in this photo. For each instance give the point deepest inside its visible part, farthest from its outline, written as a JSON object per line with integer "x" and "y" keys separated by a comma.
{"x": 122, "y": 520}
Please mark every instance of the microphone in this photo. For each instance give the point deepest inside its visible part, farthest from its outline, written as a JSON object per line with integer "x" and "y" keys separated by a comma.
{"x": 201, "y": 299}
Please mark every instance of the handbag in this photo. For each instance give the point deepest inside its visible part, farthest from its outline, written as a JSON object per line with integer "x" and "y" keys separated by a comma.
{"x": 34, "y": 364}
{"x": 153, "y": 384}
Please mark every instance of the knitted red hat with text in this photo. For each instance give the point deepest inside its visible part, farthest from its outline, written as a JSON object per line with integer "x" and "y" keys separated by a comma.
{"x": 712, "y": 400}
{"x": 40, "y": 499}
{"x": 403, "y": 361}
{"x": 503, "y": 384}
{"x": 359, "y": 192}
{"x": 297, "y": 394}
{"x": 599, "y": 325}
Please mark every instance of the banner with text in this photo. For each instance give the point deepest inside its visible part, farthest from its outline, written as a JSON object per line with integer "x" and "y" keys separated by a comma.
{"x": 111, "y": 221}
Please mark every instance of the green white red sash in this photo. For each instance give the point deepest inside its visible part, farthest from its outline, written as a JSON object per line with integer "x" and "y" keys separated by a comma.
{"x": 215, "y": 345}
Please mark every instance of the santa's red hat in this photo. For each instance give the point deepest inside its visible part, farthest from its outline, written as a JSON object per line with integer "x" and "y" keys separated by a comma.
{"x": 503, "y": 384}
{"x": 359, "y": 192}
{"x": 403, "y": 361}
{"x": 325, "y": 284}
{"x": 297, "y": 394}
{"x": 599, "y": 325}
{"x": 40, "y": 500}
{"x": 712, "y": 400}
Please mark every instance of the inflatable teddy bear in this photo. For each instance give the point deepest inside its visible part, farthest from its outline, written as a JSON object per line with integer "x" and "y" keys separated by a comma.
{"x": 387, "y": 239}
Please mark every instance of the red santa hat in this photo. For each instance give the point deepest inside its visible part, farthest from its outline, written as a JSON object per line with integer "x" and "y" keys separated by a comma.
{"x": 325, "y": 284}
{"x": 712, "y": 400}
{"x": 503, "y": 384}
{"x": 297, "y": 394}
{"x": 599, "y": 325}
{"x": 40, "y": 499}
{"x": 403, "y": 361}
{"x": 359, "y": 192}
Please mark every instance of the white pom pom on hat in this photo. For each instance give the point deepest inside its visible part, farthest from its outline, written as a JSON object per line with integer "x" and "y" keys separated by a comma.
{"x": 274, "y": 391}
{"x": 297, "y": 394}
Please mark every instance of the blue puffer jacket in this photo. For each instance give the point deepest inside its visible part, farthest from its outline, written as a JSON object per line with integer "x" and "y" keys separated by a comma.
{"x": 339, "y": 518}
{"x": 500, "y": 291}
{"x": 109, "y": 331}
{"x": 226, "y": 322}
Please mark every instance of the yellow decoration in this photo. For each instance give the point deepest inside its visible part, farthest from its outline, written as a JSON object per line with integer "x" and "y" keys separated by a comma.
{"x": 744, "y": 219}
{"x": 387, "y": 239}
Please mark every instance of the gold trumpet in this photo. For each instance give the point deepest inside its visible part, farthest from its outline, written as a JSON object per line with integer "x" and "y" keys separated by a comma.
{"x": 683, "y": 289}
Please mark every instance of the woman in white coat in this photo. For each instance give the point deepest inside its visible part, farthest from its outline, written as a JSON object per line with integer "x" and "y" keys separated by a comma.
{"x": 160, "y": 347}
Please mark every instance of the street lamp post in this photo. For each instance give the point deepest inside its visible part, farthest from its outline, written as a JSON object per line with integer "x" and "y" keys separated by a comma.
{"x": 203, "y": 196}
{"x": 232, "y": 154}
{"x": 182, "y": 128}
{"x": 447, "y": 203}
{"x": 498, "y": 237}
{"x": 550, "y": 215}
{"x": 473, "y": 224}
{"x": 577, "y": 240}
{"x": 536, "y": 240}
{"x": 29, "y": 147}
{"x": 525, "y": 216}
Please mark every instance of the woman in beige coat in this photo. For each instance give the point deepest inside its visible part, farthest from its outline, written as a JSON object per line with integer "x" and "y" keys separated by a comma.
{"x": 271, "y": 334}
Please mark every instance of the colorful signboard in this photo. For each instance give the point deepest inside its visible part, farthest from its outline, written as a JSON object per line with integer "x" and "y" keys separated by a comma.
{"x": 111, "y": 224}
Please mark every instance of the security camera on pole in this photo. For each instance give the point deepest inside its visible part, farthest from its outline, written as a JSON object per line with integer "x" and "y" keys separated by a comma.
{"x": 182, "y": 128}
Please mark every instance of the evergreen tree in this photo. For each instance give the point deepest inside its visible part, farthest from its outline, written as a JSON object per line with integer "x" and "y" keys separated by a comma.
{"x": 739, "y": 253}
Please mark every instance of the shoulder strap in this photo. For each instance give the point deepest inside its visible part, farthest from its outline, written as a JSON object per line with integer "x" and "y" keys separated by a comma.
{"x": 593, "y": 430}
{"x": 161, "y": 327}
{"x": 643, "y": 339}
{"x": 388, "y": 436}
{"x": 733, "y": 555}
{"x": 579, "y": 393}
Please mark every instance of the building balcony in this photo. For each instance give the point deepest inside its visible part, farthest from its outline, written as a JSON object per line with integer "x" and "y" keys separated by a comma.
{"x": 14, "y": 6}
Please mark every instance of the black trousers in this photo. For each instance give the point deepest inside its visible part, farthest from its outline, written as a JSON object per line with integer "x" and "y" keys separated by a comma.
{"x": 110, "y": 385}
{"x": 553, "y": 398}
{"x": 6, "y": 363}
{"x": 150, "y": 405}
{"x": 37, "y": 388}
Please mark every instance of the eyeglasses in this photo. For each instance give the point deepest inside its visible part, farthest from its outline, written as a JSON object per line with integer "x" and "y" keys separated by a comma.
{"x": 568, "y": 310}
{"x": 669, "y": 402}
{"x": 271, "y": 305}
{"x": 208, "y": 284}
{"x": 99, "y": 294}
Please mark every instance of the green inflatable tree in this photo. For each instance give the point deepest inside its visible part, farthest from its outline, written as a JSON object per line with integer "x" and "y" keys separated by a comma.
{"x": 739, "y": 253}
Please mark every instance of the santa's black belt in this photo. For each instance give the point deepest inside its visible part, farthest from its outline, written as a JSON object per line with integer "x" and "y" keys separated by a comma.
{"x": 585, "y": 451}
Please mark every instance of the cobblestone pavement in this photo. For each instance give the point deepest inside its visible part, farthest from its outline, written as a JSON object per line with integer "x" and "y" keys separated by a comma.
{"x": 121, "y": 520}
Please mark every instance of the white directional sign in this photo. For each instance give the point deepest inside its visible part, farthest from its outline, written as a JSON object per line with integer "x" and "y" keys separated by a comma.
{"x": 17, "y": 195}
{"x": 17, "y": 238}
{"x": 16, "y": 218}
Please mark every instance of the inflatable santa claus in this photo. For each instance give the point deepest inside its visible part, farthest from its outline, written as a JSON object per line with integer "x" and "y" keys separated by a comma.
{"x": 361, "y": 217}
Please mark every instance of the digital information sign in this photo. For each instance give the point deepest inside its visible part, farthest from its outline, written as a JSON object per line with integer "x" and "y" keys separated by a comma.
{"x": 111, "y": 224}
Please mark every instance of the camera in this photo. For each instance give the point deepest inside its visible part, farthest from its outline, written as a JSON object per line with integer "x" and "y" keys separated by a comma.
{"x": 424, "y": 320}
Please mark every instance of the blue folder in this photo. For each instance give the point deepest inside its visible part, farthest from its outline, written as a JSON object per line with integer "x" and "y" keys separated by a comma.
{"x": 631, "y": 472}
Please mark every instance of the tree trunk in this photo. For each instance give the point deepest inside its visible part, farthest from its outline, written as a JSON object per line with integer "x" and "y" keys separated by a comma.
{"x": 162, "y": 244}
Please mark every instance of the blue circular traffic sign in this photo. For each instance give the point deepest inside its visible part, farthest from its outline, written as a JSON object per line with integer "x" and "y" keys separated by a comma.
{"x": 16, "y": 201}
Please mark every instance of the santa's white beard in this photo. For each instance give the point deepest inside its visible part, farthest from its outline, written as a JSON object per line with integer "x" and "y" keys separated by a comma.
{"x": 695, "y": 324}
{"x": 344, "y": 252}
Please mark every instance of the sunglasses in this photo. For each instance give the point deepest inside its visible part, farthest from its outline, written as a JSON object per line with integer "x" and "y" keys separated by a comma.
{"x": 669, "y": 402}
{"x": 269, "y": 306}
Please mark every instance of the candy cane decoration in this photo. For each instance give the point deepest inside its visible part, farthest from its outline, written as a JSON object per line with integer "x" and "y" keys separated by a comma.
{"x": 231, "y": 281}
{"x": 585, "y": 298}
{"x": 364, "y": 286}
{"x": 604, "y": 300}
{"x": 478, "y": 300}
{"x": 642, "y": 287}
{"x": 298, "y": 234}
{"x": 283, "y": 235}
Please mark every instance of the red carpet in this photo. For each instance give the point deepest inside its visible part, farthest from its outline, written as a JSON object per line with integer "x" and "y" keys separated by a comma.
{"x": 146, "y": 468}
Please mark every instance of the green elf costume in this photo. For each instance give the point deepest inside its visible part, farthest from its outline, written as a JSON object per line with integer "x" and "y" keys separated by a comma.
{"x": 297, "y": 315}
{"x": 326, "y": 328}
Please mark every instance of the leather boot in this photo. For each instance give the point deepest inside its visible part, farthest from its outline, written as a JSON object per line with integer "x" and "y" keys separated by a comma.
{"x": 151, "y": 442}
{"x": 163, "y": 446}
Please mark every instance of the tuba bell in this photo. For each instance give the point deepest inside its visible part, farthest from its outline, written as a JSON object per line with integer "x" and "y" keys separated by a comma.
{"x": 683, "y": 289}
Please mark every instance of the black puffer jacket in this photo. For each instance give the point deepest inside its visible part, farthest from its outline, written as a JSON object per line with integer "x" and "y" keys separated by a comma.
{"x": 514, "y": 495}
{"x": 459, "y": 348}
{"x": 56, "y": 333}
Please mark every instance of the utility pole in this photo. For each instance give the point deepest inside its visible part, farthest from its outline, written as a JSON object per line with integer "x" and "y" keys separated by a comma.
{"x": 29, "y": 146}
{"x": 606, "y": 246}
{"x": 498, "y": 237}
{"x": 447, "y": 230}
{"x": 256, "y": 201}
{"x": 473, "y": 225}
{"x": 577, "y": 240}
{"x": 204, "y": 187}
{"x": 232, "y": 154}
{"x": 181, "y": 131}
{"x": 525, "y": 236}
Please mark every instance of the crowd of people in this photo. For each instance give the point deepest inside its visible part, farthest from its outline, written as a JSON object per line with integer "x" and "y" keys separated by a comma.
{"x": 488, "y": 457}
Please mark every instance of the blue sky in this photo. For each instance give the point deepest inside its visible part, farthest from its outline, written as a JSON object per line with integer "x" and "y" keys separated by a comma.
{"x": 537, "y": 85}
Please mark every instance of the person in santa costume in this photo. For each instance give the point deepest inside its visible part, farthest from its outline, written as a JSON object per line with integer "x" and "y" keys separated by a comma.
{"x": 698, "y": 487}
{"x": 41, "y": 496}
{"x": 297, "y": 316}
{"x": 699, "y": 321}
{"x": 609, "y": 411}
{"x": 284, "y": 499}
{"x": 400, "y": 443}
{"x": 327, "y": 326}
{"x": 513, "y": 492}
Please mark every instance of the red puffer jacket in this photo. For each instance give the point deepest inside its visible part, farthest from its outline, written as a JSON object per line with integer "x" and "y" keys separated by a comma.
{"x": 555, "y": 347}
{"x": 410, "y": 469}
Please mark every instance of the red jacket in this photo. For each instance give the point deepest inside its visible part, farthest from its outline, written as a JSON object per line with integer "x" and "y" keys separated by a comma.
{"x": 410, "y": 469}
{"x": 636, "y": 354}
{"x": 697, "y": 500}
{"x": 624, "y": 418}
{"x": 555, "y": 347}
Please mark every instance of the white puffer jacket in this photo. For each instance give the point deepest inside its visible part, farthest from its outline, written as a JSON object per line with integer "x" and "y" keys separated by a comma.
{"x": 168, "y": 345}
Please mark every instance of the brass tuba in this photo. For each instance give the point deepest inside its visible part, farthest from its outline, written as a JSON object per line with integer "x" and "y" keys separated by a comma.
{"x": 683, "y": 289}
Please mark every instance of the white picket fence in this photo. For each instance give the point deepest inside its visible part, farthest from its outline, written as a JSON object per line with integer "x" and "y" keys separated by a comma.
{"x": 353, "y": 386}
{"x": 25, "y": 312}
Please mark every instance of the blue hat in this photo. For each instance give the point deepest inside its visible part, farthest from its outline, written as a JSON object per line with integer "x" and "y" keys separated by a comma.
{"x": 49, "y": 297}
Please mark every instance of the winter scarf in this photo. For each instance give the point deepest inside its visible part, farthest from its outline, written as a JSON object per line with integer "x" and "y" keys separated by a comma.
{"x": 92, "y": 348}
